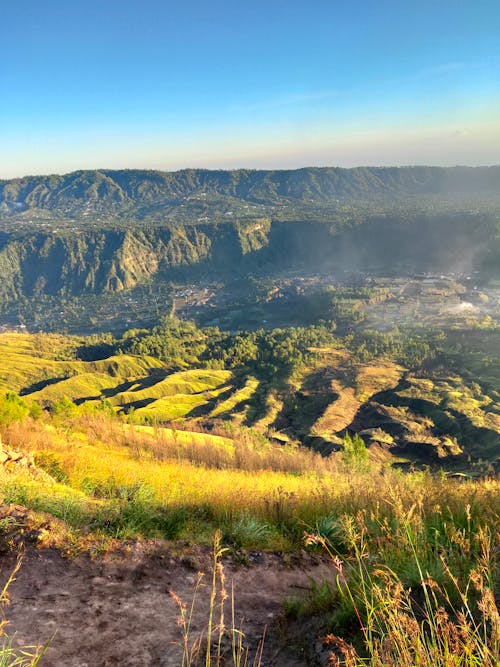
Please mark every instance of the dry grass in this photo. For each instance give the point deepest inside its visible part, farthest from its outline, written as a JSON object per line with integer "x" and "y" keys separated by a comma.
{"x": 221, "y": 641}
{"x": 416, "y": 556}
{"x": 452, "y": 622}
{"x": 107, "y": 471}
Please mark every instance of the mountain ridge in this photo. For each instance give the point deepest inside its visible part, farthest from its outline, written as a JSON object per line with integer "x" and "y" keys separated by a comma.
{"x": 142, "y": 192}
{"x": 106, "y": 231}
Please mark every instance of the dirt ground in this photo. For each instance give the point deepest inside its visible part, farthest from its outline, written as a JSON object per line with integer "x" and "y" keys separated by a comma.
{"x": 117, "y": 609}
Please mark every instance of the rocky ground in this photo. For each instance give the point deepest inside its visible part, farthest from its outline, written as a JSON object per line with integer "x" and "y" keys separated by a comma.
{"x": 117, "y": 608}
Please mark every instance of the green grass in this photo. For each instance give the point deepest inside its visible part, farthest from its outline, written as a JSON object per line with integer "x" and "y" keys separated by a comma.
{"x": 114, "y": 469}
{"x": 238, "y": 397}
{"x": 415, "y": 557}
{"x": 28, "y": 359}
{"x": 402, "y": 611}
{"x": 183, "y": 383}
{"x": 174, "y": 407}
{"x": 85, "y": 385}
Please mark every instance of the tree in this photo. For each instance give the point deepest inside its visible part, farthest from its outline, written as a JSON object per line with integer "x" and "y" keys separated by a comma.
{"x": 12, "y": 409}
{"x": 355, "y": 453}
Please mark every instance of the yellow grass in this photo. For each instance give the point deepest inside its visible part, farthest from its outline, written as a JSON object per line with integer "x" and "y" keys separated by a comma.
{"x": 181, "y": 383}
{"x": 182, "y": 482}
{"x": 27, "y": 359}
{"x": 367, "y": 380}
{"x": 240, "y": 396}
{"x": 85, "y": 385}
{"x": 185, "y": 437}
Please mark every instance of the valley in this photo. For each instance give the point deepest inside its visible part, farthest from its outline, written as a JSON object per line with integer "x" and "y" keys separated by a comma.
{"x": 289, "y": 378}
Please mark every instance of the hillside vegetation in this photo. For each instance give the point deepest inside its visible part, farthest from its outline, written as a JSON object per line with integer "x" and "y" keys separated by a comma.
{"x": 136, "y": 193}
{"x": 289, "y": 441}
{"x": 410, "y": 399}
{"x": 90, "y": 483}
{"x": 301, "y": 362}
{"x": 104, "y": 232}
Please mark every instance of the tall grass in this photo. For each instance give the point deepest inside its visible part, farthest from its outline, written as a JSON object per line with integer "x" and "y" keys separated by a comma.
{"x": 448, "y": 620}
{"x": 222, "y": 447}
{"x": 220, "y": 642}
{"x": 416, "y": 556}
{"x": 109, "y": 477}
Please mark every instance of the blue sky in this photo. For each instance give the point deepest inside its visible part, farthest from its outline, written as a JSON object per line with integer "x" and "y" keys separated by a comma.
{"x": 129, "y": 83}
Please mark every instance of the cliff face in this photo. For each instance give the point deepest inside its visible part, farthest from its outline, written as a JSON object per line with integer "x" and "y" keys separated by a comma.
{"x": 110, "y": 261}
{"x": 94, "y": 262}
{"x": 92, "y": 232}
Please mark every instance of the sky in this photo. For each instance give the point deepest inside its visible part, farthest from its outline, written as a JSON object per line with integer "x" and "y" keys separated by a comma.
{"x": 88, "y": 84}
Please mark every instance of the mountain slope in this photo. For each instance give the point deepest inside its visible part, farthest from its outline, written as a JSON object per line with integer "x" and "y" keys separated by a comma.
{"x": 138, "y": 193}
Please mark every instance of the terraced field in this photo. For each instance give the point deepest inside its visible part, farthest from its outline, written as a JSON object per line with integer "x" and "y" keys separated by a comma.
{"x": 36, "y": 367}
{"x": 32, "y": 362}
{"x": 436, "y": 416}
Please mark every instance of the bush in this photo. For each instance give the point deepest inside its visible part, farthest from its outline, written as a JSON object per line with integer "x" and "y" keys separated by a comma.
{"x": 12, "y": 409}
{"x": 355, "y": 454}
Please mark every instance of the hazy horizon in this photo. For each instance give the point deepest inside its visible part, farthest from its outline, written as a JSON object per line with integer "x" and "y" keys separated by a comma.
{"x": 246, "y": 168}
{"x": 155, "y": 85}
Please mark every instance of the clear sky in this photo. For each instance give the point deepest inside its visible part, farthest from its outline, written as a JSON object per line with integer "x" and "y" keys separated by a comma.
{"x": 261, "y": 83}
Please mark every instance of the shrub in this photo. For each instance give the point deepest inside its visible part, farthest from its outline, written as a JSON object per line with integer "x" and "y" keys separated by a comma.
{"x": 12, "y": 409}
{"x": 355, "y": 453}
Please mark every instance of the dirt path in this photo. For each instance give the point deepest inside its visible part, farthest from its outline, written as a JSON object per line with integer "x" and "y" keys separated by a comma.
{"x": 116, "y": 610}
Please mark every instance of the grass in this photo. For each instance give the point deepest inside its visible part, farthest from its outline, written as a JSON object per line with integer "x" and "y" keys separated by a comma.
{"x": 377, "y": 619}
{"x": 184, "y": 436}
{"x": 239, "y": 397}
{"x": 321, "y": 400}
{"x": 181, "y": 383}
{"x": 88, "y": 385}
{"x": 29, "y": 359}
{"x": 353, "y": 384}
{"x": 415, "y": 556}
{"x": 221, "y": 641}
{"x": 440, "y": 621}
{"x": 127, "y": 481}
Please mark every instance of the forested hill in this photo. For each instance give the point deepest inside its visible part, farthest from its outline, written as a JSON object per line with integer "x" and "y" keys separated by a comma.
{"x": 92, "y": 232}
{"x": 139, "y": 194}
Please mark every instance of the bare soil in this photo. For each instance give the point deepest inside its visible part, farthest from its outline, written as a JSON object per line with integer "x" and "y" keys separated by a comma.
{"x": 116, "y": 609}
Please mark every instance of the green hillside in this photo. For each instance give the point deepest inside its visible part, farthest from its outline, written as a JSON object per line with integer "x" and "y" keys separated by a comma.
{"x": 65, "y": 240}
{"x": 138, "y": 193}
{"x": 423, "y": 405}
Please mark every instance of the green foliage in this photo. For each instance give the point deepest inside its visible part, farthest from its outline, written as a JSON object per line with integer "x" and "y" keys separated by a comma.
{"x": 176, "y": 342}
{"x": 35, "y": 410}
{"x": 270, "y": 355}
{"x": 51, "y": 464}
{"x": 406, "y": 347}
{"x": 354, "y": 453}
{"x": 12, "y": 409}
{"x": 64, "y": 408}
{"x": 443, "y": 620}
{"x": 247, "y": 532}
{"x": 322, "y": 598}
